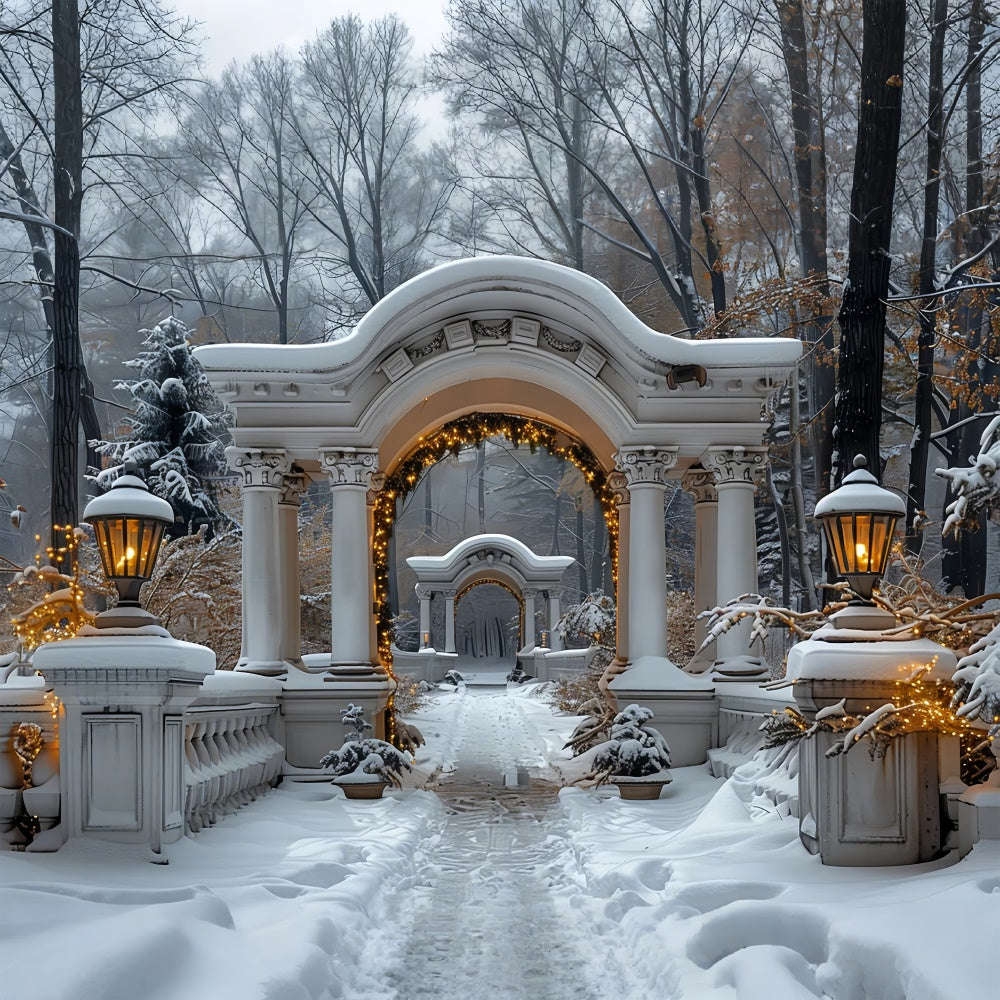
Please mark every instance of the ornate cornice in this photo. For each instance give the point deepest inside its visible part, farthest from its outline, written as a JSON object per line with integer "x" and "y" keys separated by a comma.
{"x": 700, "y": 483}
{"x": 349, "y": 466}
{"x": 260, "y": 467}
{"x": 646, "y": 464}
{"x": 745, "y": 466}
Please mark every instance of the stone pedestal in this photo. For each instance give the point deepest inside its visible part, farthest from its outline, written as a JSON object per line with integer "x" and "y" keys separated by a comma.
{"x": 855, "y": 810}
{"x": 311, "y": 707}
{"x": 122, "y": 732}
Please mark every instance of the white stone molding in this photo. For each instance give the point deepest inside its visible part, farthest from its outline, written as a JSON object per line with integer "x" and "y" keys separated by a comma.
{"x": 646, "y": 464}
{"x": 747, "y": 466}
{"x": 700, "y": 483}
{"x": 260, "y": 467}
{"x": 349, "y": 466}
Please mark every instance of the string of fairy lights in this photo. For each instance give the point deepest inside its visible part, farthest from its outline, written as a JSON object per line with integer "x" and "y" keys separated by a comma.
{"x": 471, "y": 431}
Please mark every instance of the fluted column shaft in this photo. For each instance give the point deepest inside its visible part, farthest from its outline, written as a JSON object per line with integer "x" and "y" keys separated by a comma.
{"x": 700, "y": 483}
{"x": 352, "y": 597}
{"x": 737, "y": 472}
{"x": 263, "y": 473}
{"x": 645, "y": 468}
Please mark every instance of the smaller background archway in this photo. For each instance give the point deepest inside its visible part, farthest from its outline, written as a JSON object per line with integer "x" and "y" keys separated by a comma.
{"x": 497, "y": 559}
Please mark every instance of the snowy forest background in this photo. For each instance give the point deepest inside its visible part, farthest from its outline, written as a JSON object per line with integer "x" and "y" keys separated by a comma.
{"x": 695, "y": 155}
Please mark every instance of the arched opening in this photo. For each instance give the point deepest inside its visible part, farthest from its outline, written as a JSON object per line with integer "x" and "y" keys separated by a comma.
{"x": 473, "y": 429}
{"x": 489, "y": 621}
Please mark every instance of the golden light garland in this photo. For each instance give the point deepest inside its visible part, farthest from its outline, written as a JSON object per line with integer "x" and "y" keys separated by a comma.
{"x": 924, "y": 706}
{"x": 59, "y": 614}
{"x": 466, "y": 431}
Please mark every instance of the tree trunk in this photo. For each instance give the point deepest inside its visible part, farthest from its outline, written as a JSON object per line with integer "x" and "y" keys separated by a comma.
{"x": 810, "y": 182}
{"x": 862, "y": 312}
{"x": 928, "y": 303}
{"x": 67, "y": 378}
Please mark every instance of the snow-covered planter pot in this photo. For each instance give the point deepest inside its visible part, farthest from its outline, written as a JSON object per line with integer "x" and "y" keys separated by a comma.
{"x": 635, "y": 757}
{"x": 363, "y": 765}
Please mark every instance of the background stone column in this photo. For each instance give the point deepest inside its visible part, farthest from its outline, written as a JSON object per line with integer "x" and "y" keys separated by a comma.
{"x": 528, "y": 640}
{"x": 645, "y": 468}
{"x": 290, "y": 586}
{"x": 555, "y": 612}
{"x": 700, "y": 483}
{"x": 263, "y": 473}
{"x": 449, "y": 619}
{"x": 737, "y": 473}
{"x": 351, "y": 595}
{"x": 425, "y": 596}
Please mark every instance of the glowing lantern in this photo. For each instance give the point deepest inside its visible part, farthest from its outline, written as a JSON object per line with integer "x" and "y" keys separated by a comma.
{"x": 858, "y": 520}
{"x": 128, "y": 523}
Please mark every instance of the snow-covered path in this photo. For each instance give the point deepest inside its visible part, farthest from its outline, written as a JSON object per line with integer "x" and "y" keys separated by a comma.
{"x": 482, "y": 918}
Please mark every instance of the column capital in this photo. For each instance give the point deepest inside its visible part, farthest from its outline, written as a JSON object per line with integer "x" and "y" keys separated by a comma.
{"x": 260, "y": 467}
{"x": 424, "y": 592}
{"x": 700, "y": 483}
{"x": 644, "y": 464}
{"x": 743, "y": 466}
{"x": 294, "y": 486}
{"x": 448, "y": 595}
{"x": 529, "y": 592}
{"x": 349, "y": 466}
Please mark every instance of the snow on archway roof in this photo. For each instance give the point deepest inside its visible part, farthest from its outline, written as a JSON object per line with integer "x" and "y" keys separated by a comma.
{"x": 479, "y": 284}
{"x": 448, "y": 567}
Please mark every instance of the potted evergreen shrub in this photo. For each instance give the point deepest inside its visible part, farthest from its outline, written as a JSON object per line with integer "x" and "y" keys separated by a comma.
{"x": 363, "y": 765}
{"x": 635, "y": 757}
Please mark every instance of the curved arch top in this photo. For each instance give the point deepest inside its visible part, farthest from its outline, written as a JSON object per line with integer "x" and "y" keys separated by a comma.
{"x": 478, "y": 284}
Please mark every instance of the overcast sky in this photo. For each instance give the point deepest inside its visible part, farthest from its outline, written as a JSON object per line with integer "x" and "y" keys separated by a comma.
{"x": 235, "y": 29}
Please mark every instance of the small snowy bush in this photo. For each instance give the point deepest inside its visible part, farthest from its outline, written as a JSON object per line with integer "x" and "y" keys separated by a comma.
{"x": 634, "y": 749}
{"x": 364, "y": 758}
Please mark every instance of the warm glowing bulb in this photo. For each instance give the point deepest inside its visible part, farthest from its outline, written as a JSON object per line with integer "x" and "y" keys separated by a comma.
{"x": 862, "y": 552}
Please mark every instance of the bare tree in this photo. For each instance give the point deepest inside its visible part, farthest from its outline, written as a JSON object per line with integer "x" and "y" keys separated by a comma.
{"x": 376, "y": 196}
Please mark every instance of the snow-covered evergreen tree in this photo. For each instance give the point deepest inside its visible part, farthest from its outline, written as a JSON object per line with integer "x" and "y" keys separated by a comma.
{"x": 177, "y": 431}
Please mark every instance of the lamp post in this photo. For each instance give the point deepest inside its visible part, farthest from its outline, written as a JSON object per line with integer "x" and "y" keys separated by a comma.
{"x": 128, "y": 523}
{"x": 855, "y": 809}
{"x": 124, "y": 687}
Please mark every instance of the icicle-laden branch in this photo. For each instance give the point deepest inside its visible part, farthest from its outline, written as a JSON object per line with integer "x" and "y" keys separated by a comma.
{"x": 765, "y": 614}
{"x": 976, "y": 486}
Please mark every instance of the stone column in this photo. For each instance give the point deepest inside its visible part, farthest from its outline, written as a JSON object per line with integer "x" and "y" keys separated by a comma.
{"x": 351, "y": 595}
{"x": 645, "y": 468}
{"x": 528, "y": 639}
{"x": 263, "y": 473}
{"x": 700, "y": 483}
{"x": 449, "y": 620}
{"x": 555, "y": 611}
{"x": 425, "y": 596}
{"x": 291, "y": 587}
{"x": 737, "y": 473}
{"x": 619, "y": 486}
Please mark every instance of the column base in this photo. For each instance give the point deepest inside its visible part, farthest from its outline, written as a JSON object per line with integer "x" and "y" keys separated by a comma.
{"x": 266, "y": 668}
{"x": 740, "y": 668}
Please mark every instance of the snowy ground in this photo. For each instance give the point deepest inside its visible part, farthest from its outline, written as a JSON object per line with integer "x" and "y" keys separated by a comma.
{"x": 491, "y": 882}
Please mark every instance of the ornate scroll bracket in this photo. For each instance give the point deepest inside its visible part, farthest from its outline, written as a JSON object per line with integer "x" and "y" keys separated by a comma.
{"x": 260, "y": 466}
{"x": 700, "y": 483}
{"x": 350, "y": 466}
{"x": 646, "y": 464}
{"x": 746, "y": 466}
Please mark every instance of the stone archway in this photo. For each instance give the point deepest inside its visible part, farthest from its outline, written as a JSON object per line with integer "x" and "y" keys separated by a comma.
{"x": 496, "y": 559}
{"x": 500, "y": 335}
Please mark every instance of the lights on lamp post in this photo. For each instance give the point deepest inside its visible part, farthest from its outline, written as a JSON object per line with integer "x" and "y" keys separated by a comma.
{"x": 128, "y": 524}
{"x": 858, "y": 520}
